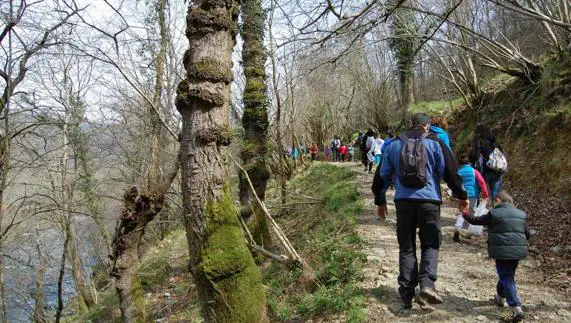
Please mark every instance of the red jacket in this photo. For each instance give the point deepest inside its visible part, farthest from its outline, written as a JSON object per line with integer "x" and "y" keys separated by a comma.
{"x": 343, "y": 150}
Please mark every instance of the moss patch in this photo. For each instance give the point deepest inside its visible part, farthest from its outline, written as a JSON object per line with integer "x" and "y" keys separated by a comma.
{"x": 228, "y": 267}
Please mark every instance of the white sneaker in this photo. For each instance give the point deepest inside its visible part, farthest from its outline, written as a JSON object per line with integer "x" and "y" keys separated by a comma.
{"x": 516, "y": 314}
{"x": 500, "y": 301}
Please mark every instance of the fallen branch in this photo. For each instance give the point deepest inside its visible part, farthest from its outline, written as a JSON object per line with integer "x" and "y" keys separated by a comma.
{"x": 279, "y": 233}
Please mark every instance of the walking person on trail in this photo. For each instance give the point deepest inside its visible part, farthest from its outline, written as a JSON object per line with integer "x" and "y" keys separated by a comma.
{"x": 438, "y": 127}
{"x": 351, "y": 151}
{"x": 376, "y": 149}
{"x": 420, "y": 160}
{"x": 326, "y": 153}
{"x": 343, "y": 152}
{"x": 313, "y": 150}
{"x": 474, "y": 185}
{"x": 335, "y": 145}
{"x": 485, "y": 147}
{"x": 507, "y": 244}
{"x": 365, "y": 147}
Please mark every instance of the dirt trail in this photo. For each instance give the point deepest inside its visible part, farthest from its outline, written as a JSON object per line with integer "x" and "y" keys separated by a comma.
{"x": 466, "y": 276}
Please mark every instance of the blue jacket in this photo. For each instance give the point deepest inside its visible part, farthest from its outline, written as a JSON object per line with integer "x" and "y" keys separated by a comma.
{"x": 466, "y": 172}
{"x": 441, "y": 165}
{"x": 387, "y": 142}
{"x": 442, "y": 135}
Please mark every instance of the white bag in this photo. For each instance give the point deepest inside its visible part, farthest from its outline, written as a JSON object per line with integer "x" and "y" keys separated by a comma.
{"x": 370, "y": 157}
{"x": 459, "y": 221}
{"x": 497, "y": 161}
{"x": 477, "y": 230}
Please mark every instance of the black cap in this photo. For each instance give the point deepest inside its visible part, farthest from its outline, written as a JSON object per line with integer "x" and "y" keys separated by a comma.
{"x": 421, "y": 119}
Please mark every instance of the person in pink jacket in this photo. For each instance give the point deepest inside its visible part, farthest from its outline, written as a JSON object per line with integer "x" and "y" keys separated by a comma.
{"x": 474, "y": 185}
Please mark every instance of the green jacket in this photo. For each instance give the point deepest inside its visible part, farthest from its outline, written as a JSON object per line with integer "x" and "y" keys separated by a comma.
{"x": 507, "y": 232}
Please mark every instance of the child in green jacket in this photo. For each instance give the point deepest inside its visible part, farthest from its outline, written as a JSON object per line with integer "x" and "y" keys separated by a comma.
{"x": 507, "y": 244}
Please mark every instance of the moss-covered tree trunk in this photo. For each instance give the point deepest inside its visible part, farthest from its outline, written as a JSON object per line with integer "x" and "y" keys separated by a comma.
{"x": 228, "y": 282}
{"x": 254, "y": 120}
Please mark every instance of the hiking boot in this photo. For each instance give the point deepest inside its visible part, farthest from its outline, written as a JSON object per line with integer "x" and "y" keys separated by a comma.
{"x": 500, "y": 301}
{"x": 406, "y": 298}
{"x": 456, "y": 237}
{"x": 516, "y": 314}
{"x": 430, "y": 295}
{"x": 419, "y": 300}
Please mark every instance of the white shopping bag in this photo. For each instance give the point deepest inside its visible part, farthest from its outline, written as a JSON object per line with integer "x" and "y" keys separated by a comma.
{"x": 459, "y": 221}
{"x": 371, "y": 157}
{"x": 478, "y": 212}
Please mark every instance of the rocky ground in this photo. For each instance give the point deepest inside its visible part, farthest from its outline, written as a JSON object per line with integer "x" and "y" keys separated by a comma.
{"x": 466, "y": 276}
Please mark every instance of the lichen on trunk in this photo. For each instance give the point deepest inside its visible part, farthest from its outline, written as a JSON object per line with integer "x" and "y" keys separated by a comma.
{"x": 228, "y": 282}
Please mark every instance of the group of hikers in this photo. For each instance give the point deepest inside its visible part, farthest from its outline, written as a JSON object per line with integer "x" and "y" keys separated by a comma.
{"x": 415, "y": 162}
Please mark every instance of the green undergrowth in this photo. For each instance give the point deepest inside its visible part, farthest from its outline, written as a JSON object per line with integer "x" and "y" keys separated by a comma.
{"x": 166, "y": 284}
{"x": 324, "y": 235}
{"x": 437, "y": 108}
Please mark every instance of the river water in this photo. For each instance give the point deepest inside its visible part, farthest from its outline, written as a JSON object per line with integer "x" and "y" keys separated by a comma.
{"x": 20, "y": 274}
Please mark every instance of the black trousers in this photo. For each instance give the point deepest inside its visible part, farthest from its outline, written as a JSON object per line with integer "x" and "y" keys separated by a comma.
{"x": 425, "y": 216}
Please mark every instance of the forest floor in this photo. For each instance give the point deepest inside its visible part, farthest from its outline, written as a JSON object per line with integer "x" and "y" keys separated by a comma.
{"x": 466, "y": 276}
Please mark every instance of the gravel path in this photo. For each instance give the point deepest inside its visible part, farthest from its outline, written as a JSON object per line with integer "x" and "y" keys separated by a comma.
{"x": 466, "y": 276}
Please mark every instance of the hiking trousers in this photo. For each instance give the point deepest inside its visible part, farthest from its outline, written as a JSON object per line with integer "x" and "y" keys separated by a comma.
{"x": 506, "y": 286}
{"x": 425, "y": 216}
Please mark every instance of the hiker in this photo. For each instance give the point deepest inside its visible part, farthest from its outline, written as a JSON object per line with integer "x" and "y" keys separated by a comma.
{"x": 343, "y": 152}
{"x": 378, "y": 144}
{"x": 483, "y": 147}
{"x": 335, "y": 145}
{"x": 295, "y": 153}
{"x": 313, "y": 150}
{"x": 417, "y": 200}
{"x": 351, "y": 151}
{"x": 474, "y": 185}
{"x": 438, "y": 127}
{"x": 326, "y": 152}
{"x": 365, "y": 147}
{"x": 507, "y": 244}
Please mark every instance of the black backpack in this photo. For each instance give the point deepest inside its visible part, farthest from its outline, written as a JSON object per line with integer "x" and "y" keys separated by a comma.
{"x": 413, "y": 161}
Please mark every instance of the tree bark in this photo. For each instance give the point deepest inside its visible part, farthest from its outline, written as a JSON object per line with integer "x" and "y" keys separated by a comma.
{"x": 254, "y": 120}
{"x": 139, "y": 209}
{"x": 61, "y": 276}
{"x": 228, "y": 282}
{"x": 85, "y": 297}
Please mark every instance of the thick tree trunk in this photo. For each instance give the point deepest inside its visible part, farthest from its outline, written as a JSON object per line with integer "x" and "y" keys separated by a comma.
{"x": 85, "y": 297}
{"x": 254, "y": 120}
{"x": 228, "y": 282}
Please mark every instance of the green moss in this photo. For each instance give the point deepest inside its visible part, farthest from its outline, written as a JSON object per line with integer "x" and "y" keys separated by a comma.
{"x": 138, "y": 300}
{"x": 200, "y": 21}
{"x": 210, "y": 70}
{"x": 229, "y": 267}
